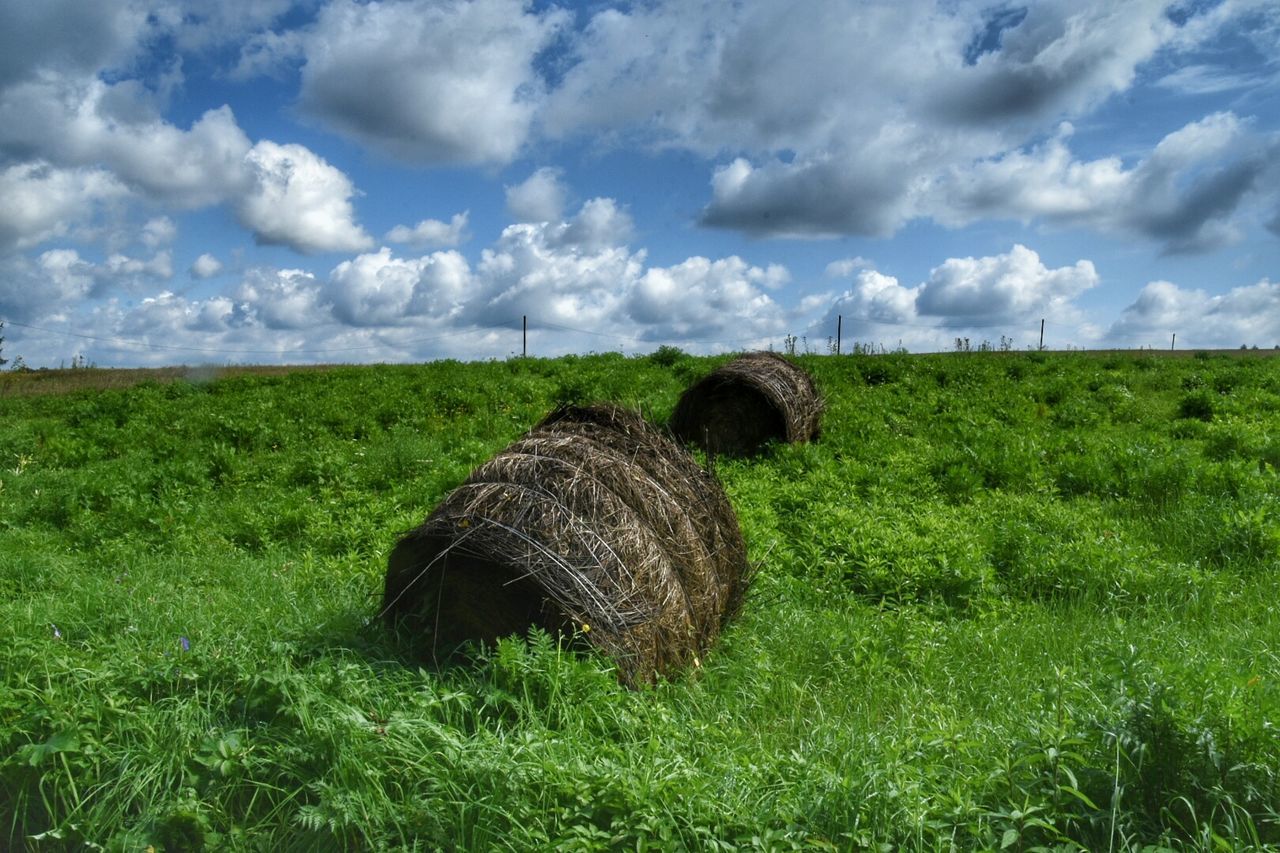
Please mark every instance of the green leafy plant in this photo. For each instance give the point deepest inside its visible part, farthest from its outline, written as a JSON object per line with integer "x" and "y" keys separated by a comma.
{"x": 1008, "y": 601}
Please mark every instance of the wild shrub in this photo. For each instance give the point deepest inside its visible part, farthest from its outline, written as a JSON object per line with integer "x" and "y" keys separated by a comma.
{"x": 957, "y": 474}
{"x": 1054, "y": 391}
{"x": 1269, "y": 454}
{"x": 1003, "y": 459}
{"x": 1233, "y": 440}
{"x": 902, "y": 556}
{"x": 1246, "y": 538}
{"x": 1179, "y": 774}
{"x": 1081, "y": 467}
{"x": 1077, "y": 413}
{"x": 1188, "y": 430}
{"x": 1119, "y": 404}
{"x": 1199, "y": 405}
{"x": 451, "y": 401}
{"x": 1077, "y": 553}
{"x": 666, "y": 356}
{"x": 877, "y": 373}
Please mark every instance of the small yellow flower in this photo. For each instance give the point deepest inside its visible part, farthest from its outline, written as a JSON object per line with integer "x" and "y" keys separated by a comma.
{"x": 466, "y": 522}
{"x": 586, "y": 629}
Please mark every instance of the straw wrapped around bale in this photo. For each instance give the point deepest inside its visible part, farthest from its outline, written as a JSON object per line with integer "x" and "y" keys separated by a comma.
{"x": 593, "y": 522}
{"x": 756, "y": 398}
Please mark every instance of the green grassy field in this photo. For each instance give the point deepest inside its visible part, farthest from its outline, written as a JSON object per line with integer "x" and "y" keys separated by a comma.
{"x": 1009, "y": 600}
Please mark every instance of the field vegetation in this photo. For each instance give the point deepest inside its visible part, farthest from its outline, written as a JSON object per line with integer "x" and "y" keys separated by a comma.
{"x": 1008, "y": 601}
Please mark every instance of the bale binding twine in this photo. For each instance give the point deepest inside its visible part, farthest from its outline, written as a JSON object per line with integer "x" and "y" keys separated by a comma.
{"x": 756, "y": 398}
{"x": 594, "y": 522}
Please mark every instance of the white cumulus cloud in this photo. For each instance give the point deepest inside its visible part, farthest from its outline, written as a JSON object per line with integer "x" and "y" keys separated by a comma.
{"x": 845, "y": 267}
{"x": 42, "y": 202}
{"x": 432, "y": 233}
{"x": 116, "y": 126}
{"x": 120, "y": 268}
{"x": 1247, "y": 315}
{"x": 529, "y": 272}
{"x": 876, "y": 298}
{"x": 205, "y": 266}
{"x": 60, "y": 279}
{"x": 435, "y": 82}
{"x": 702, "y": 299}
{"x": 1001, "y": 287}
{"x": 107, "y": 141}
{"x": 32, "y": 288}
{"x": 539, "y": 198}
{"x": 601, "y": 223}
{"x": 298, "y": 200}
{"x": 991, "y": 294}
{"x": 1186, "y": 193}
{"x": 841, "y": 120}
{"x": 282, "y": 299}
{"x": 55, "y": 36}
{"x": 1060, "y": 58}
{"x": 158, "y": 231}
{"x": 156, "y": 318}
{"x": 379, "y": 289}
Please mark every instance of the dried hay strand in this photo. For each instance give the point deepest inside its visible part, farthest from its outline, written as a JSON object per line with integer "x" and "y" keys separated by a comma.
{"x": 594, "y": 518}
{"x": 756, "y": 398}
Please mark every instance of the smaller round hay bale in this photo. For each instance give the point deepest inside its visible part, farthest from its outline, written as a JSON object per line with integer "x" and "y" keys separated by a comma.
{"x": 687, "y": 483}
{"x": 756, "y": 398}
{"x": 593, "y": 518}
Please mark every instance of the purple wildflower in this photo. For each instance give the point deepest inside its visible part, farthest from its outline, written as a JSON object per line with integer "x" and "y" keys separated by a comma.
{"x": 185, "y": 643}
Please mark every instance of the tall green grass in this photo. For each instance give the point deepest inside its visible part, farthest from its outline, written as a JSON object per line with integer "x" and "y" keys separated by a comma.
{"x": 1009, "y": 601}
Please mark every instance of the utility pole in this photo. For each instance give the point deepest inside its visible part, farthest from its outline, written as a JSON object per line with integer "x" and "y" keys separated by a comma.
{"x": 524, "y": 345}
{"x": 839, "y": 326}
{"x": 1173, "y": 341}
{"x": 1041, "y": 333}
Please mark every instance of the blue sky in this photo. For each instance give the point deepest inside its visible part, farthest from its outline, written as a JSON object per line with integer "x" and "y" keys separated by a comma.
{"x": 268, "y": 181}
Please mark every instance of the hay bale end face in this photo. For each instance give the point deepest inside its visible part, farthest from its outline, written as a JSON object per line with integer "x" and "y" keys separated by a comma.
{"x": 756, "y": 398}
{"x": 594, "y": 518}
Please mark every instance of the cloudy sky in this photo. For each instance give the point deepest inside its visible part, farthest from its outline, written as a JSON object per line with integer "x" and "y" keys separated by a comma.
{"x": 329, "y": 180}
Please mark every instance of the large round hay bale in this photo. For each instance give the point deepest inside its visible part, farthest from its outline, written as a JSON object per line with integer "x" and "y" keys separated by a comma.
{"x": 756, "y": 398}
{"x": 594, "y": 518}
